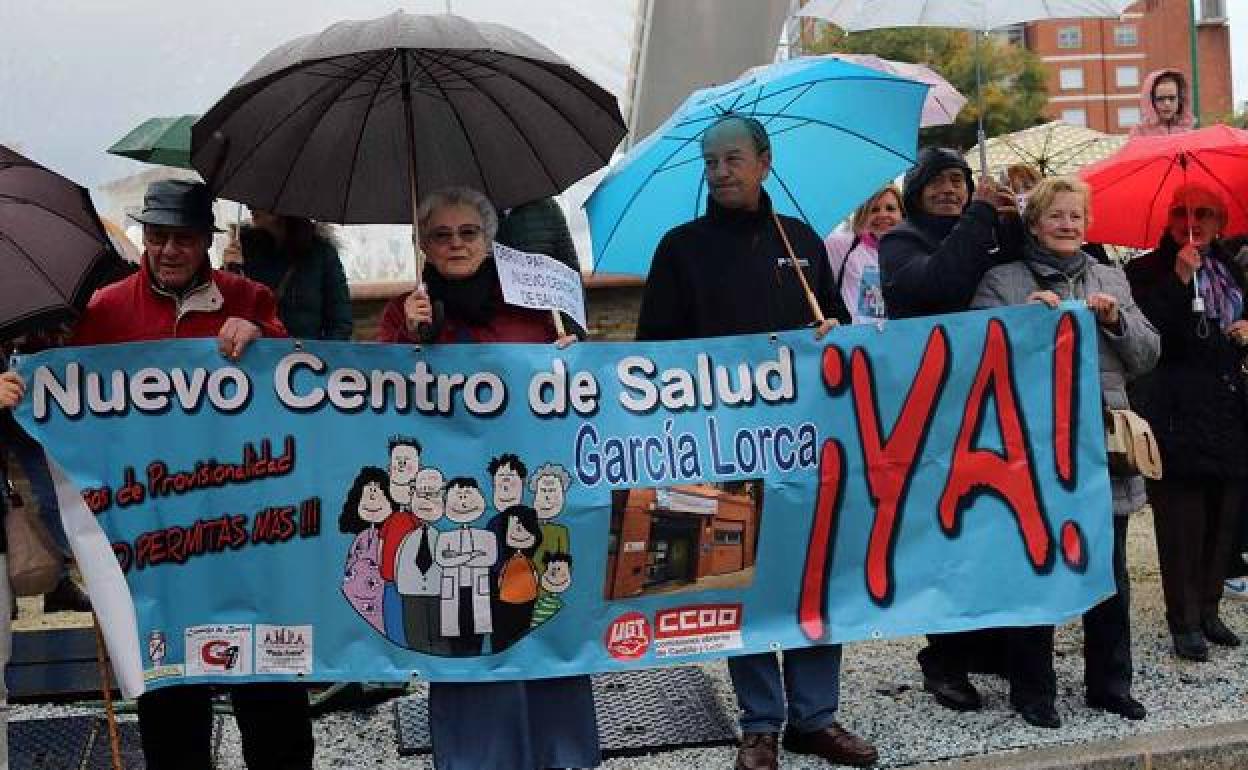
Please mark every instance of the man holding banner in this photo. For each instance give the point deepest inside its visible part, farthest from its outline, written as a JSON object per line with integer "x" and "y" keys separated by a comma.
{"x": 177, "y": 294}
{"x": 754, "y": 289}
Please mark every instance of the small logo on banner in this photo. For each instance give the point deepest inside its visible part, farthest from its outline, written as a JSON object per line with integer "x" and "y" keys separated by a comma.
{"x": 283, "y": 649}
{"x": 157, "y": 648}
{"x": 628, "y": 636}
{"x": 697, "y": 629}
{"x": 218, "y": 650}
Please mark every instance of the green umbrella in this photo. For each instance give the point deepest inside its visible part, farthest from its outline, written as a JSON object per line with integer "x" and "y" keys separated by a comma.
{"x": 164, "y": 141}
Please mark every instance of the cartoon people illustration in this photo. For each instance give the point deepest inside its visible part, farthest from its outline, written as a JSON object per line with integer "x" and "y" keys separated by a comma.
{"x": 404, "y": 466}
{"x": 507, "y": 474}
{"x": 556, "y": 578}
{"x": 515, "y": 578}
{"x": 549, "y": 484}
{"x": 368, "y": 504}
{"x": 418, "y": 577}
{"x": 466, "y": 555}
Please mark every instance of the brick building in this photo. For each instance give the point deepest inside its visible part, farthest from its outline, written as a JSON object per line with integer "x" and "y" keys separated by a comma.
{"x": 680, "y": 535}
{"x": 1096, "y": 66}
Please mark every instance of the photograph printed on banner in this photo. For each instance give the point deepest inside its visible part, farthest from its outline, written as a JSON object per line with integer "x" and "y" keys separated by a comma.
{"x": 692, "y": 537}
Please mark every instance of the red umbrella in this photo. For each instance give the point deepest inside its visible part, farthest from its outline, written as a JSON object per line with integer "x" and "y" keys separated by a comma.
{"x": 1132, "y": 189}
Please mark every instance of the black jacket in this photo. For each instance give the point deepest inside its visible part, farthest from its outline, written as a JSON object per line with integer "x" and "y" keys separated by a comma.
{"x": 1195, "y": 398}
{"x": 923, "y": 274}
{"x": 727, "y": 272}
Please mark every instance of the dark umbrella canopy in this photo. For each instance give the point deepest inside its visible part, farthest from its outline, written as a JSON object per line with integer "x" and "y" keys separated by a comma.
{"x": 333, "y": 125}
{"x": 53, "y": 249}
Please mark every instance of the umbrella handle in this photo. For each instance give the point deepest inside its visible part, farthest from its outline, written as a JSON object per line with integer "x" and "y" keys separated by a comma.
{"x": 788, "y": 247}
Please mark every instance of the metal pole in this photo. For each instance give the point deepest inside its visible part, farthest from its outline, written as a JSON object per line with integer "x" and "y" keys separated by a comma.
{"x": 1193, "y": 45}
{"x": 979, "y": 99}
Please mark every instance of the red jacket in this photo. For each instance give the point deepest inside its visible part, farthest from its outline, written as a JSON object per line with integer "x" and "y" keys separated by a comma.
{"x": 134, "y": 310}
{"x": 509, "y": 324}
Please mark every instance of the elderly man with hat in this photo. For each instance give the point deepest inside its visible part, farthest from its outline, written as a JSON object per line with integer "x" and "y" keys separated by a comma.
{"x": 178, "y": 294}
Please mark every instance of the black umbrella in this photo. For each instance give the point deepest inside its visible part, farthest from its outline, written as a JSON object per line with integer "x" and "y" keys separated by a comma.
{"x": 351, "y": 124}
{"x": 53, "y": 249}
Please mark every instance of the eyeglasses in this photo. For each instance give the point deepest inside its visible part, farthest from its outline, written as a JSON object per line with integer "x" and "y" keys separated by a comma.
{"x": 1165, "y": 98}
{"x": 180, "y": 239}
{"x": 443, "y": 236}
{"x": 1198, "y": 213}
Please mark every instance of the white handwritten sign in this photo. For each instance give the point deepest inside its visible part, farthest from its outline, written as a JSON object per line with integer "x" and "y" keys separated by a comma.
{"x": 539, "y": 281}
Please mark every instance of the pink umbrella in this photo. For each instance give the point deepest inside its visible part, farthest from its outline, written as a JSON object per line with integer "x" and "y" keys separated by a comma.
{"x": 943, "y": 100}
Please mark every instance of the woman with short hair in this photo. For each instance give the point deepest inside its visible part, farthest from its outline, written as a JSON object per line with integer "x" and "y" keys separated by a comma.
{"x": 1055, "y": 268}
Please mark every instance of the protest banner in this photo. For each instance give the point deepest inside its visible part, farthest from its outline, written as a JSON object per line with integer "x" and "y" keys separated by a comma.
{"x": 338, "y": 511}
{"x": 540, "y": 282}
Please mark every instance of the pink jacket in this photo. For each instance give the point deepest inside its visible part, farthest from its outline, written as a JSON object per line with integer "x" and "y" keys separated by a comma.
{"x": 1150, "y": 123}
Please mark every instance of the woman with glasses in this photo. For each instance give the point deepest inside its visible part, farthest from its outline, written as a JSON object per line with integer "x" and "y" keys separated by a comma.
{"x": 1194, "y": 295}
{"x": 528, "y": 725}
{"x": 1164, "y": 105}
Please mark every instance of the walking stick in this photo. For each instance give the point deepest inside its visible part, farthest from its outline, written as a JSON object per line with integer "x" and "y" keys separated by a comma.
{"x": 101, "y": 655}
{"x": 810, "y": 295}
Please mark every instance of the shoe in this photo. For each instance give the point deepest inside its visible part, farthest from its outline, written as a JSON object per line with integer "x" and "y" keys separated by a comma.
{"x": 834, "y": 744}
{"x": 758, "y": 751}
{"x": 1039, "y": 714}
{"x": 1216, "y": 631}
{"x": 1190, "y": 645}
{"x": 66, "y": 597}
{"x": 1235, "y": 588}
{"x": 1123, "y": 705}
{"x": 953, "y": 692}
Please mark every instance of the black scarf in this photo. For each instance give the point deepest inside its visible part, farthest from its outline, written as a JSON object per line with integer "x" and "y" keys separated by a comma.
{"x": 472, "y": 300}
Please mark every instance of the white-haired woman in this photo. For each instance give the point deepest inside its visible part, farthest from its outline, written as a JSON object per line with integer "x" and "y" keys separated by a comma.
{"x": 522, "y": 725}
{"x": 1055, "y": 268}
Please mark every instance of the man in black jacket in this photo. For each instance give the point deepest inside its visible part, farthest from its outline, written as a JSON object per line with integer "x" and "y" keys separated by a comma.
{"x": 726, "y": 273}
{"x": 955, "y": 232}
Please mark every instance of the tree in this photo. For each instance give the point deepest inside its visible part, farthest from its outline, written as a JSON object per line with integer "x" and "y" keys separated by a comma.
{"x": 1014, "y": 92}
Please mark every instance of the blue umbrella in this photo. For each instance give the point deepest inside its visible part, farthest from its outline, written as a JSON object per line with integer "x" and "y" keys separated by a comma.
{"x": 838, "y": 132}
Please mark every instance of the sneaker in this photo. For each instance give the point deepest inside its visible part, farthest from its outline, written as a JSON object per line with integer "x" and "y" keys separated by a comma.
{"x": 1235, "y": 588}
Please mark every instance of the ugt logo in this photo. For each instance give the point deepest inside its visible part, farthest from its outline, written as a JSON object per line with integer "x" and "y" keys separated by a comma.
{"x": 219, "y": 653}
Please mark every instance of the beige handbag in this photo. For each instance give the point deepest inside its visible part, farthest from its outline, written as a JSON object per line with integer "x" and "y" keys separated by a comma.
{"x": 34, "y": 562}
{"x": 1131, "y": 446}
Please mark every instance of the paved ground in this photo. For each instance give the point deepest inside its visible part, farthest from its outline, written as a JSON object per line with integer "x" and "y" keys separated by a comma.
{"x": 882, "y": 699}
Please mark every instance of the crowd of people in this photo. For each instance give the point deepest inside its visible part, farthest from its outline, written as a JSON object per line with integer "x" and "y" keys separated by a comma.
{"x": 945, "y": 242}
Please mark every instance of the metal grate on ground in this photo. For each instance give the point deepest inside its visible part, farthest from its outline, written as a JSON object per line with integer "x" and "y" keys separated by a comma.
{"x": 78, "y": 743}
{"x": 639, "y": 712}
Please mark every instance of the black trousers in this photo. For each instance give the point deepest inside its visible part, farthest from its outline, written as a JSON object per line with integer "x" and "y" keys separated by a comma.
{"x": 274, "y": 719}
{"x": 1107, "y": 629}
{"x": 1196, "y": 521}
{"x": 1022, "y": 654}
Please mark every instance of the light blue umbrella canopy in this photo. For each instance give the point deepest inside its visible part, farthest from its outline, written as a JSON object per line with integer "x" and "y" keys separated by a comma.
{"x": 838, "y": 131}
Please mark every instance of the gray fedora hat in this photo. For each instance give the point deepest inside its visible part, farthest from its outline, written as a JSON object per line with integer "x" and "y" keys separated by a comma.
{"x": 177, "y": 203}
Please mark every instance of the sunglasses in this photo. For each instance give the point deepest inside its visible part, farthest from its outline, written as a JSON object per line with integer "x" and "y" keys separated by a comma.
{"x": 1199, "y": 213}
{"x": 443, "y": 236}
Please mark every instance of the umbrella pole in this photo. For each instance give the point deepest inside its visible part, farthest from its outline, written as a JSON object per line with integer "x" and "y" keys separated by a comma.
{"x": 406, "y": 91}
{"x": 106, "y": 686}
{"x": 979, "y": 101}
{"x": 788, "y": 247}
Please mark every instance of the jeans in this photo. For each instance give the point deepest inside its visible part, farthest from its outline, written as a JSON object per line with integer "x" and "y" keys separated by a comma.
{"x": 811, "y": 678}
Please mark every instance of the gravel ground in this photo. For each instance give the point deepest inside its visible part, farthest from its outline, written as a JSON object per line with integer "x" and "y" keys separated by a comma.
{"x": 882, "y": 698}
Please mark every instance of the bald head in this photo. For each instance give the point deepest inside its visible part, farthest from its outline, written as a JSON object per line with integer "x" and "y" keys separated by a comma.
{"x": 737, "y": 156}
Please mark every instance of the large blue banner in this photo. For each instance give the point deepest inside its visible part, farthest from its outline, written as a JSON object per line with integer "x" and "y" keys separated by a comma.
{"x": 336, "y": 511}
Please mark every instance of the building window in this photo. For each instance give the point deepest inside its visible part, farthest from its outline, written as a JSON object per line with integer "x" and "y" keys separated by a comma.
{"x": 727, "y": 537}
{"x": 1128, "y": 117}
{"x": 1075, "y": 117}
{"x": 1127, "y": 77}
{"x": 1212, "y": 10}
{"x": 1126, "y": 36}
{"x": 1069, "y": 37}
{"x": 1071, "y": 78}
